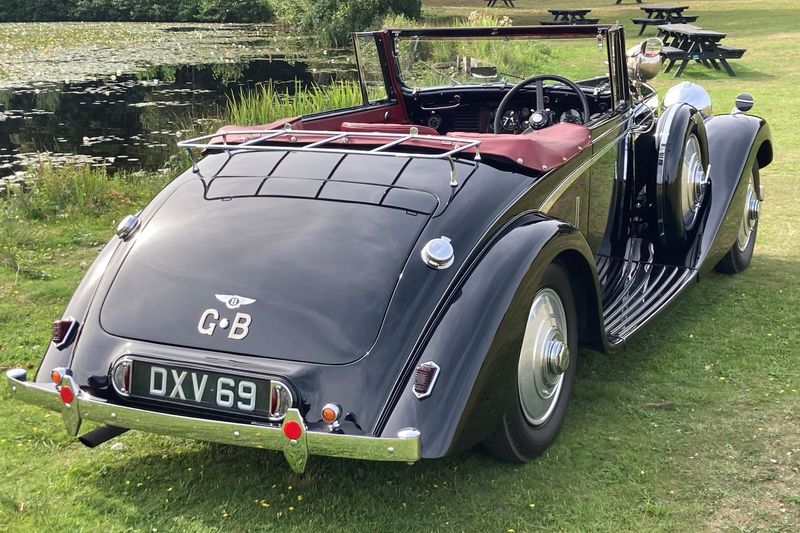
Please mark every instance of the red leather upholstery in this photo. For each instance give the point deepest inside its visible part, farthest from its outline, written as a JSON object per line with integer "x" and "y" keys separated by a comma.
{"x": 365, "y": 127}
{"x": 540, "y": 150}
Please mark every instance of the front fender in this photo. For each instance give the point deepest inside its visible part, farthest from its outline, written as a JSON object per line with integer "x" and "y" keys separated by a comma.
{"x": 476, "y": 339}
{"x": 735, "y": 143}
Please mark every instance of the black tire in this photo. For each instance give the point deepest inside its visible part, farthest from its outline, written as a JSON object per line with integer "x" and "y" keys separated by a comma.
{"x": 515, "y": 439}
{"x": 738, "y": 259}
{"x": 677, "y": 126}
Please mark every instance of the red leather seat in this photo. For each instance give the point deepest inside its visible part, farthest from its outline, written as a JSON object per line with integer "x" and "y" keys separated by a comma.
{"x": 366, "y": 127}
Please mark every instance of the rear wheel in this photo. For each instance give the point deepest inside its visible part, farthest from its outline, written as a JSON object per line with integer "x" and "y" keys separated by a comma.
{"x": 545, "y": 373}
{"x": 740, "y": 255}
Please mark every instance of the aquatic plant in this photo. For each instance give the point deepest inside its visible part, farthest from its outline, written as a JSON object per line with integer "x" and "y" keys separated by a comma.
{"x": 270, "y": 102}
{"x": 137, "y": 10}
{"x": 55, "y": 192}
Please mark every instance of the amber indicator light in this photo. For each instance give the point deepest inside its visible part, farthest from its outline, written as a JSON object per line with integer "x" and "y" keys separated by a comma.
{"x": 331, "y": 413}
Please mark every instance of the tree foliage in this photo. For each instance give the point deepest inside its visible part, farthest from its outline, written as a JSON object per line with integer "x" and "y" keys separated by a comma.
{"x": 136, "y": 10}
{"x": 333, "y": 20}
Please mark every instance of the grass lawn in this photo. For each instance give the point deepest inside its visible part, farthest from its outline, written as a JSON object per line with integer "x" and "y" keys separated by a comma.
{"x": 724, "y": 457}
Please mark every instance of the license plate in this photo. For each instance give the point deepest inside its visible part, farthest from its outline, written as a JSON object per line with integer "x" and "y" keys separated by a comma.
{"x": 202, "y": 388}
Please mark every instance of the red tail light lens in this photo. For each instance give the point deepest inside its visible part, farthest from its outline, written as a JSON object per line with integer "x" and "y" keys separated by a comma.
{"x": 280, "y": 400}
{"x": 60, "y": 329}
{"x": 66, "y": 394}
{"x": 121, "y": 376}
{"x": 64, "y": 332}
{"x": 292, "y": 430}
{"x": 425, "y": 378}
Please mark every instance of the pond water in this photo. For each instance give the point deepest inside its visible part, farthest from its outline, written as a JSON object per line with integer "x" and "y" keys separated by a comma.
{"x": 130, "y": 118}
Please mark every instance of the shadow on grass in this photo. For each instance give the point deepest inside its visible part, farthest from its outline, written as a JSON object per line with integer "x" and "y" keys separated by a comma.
{"x": 698, "y": 72}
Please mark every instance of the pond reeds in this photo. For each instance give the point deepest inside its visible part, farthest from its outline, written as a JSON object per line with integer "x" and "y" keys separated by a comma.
{"x": 270, "y": 102}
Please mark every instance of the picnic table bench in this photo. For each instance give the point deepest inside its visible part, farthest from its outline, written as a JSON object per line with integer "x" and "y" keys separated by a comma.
{"x": 569, "y": 16}
{"x": 492, "y": 3}
{"x": 687, "y": 42}
{"x": 659, "y": 14}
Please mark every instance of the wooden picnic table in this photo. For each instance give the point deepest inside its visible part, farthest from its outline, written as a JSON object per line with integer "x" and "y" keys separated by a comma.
{"x": 659, "y": 14}
{"x": 492, "y": 3}
{"x": 687, "y": 42}
{"x": 569, "y": 16}
{"x": 660, "y": 11}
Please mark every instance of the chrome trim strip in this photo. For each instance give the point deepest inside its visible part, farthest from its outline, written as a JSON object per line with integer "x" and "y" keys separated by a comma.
{"x": 663, "y": 305}
{"x": 87, "y": 407}
{"x": 556, "y": 193}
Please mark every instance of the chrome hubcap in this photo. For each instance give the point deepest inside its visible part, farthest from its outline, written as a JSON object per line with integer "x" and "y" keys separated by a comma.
{"x": 752, "y": 210}
{"x": 695, "y": 182}
{"x": 557, "y": 357}
{"x": 544, "y": 357}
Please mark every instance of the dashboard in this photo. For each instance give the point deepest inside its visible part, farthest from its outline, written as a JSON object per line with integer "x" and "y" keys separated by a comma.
{"x": 474, "y": 111}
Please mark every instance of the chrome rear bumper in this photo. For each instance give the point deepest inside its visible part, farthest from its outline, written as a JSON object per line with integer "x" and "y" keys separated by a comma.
{"x": 85, "y": 407}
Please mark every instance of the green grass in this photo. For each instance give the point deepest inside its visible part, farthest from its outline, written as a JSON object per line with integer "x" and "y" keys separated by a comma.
{"x": 725, "y": 457}
{"x": 269, "y": 103}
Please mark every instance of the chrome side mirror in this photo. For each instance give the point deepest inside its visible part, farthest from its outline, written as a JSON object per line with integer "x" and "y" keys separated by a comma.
{"x": 651, "y": 47}
{"x": 644, "y": 60}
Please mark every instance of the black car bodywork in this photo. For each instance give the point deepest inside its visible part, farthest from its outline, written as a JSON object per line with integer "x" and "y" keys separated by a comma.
{"x": 327, "y": 246}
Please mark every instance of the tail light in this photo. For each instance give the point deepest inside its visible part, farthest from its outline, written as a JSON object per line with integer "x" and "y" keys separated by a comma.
{"x": 292, "y": 430}
{"x": 121, "y": 376}
{"x": 64, "y": 332}
{"x": 65, "y": 390}
{"x": 425, "y": 378}
{"x": 280, "y": 400}
{"x": 66, "y": 394}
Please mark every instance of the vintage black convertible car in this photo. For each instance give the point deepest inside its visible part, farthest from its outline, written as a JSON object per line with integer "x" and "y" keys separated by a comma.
{"x": 416, "y": 275}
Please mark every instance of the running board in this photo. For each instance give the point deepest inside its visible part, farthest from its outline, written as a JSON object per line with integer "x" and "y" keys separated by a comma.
{"x": 634, "y": 292}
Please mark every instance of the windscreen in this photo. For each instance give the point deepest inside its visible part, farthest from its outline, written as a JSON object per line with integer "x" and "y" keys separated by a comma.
{"x": 426, "y": 61}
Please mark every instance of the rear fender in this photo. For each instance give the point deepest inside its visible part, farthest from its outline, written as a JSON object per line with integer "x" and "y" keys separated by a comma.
{"x": 476, "y": 340}
{"x": 77, "y": 308}
{"x": 735, "y": 143}
{"x": 83, "y": 296}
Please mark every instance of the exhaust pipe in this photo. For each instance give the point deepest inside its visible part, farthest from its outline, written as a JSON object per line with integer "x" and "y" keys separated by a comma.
{"x": 100, "y": 435}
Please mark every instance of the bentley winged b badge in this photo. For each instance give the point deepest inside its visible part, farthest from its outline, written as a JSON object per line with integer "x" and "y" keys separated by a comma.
{"x": 233, "y": 301}
{"x": 240, "y": 326}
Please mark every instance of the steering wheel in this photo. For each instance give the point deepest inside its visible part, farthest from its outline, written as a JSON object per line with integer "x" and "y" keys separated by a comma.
{"x": 541, "y": 117}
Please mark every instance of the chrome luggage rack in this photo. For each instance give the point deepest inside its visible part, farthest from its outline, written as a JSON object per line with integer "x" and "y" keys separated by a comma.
{"x": 287, "y": 135}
